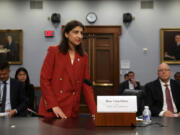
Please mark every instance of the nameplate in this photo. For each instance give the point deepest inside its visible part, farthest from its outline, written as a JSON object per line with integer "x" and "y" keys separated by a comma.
{"x": 116, "y": 104}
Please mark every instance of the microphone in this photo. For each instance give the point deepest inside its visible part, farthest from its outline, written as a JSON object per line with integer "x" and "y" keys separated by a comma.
{"x": 33, "y": 112}
{"x": 88, "y": 82}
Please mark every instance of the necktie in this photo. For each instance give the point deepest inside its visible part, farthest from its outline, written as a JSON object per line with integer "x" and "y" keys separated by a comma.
{"x": 168, "y": 99}
{"x": 3, "y": 98}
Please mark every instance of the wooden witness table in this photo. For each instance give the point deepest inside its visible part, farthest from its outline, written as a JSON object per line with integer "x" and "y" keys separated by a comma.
{"x": 83, "y": 125}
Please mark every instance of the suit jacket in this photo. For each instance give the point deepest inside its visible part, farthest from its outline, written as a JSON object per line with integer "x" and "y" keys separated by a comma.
{"x": 17, "y": 96}
{"x": 154, "y": 96}
{"x": 125, "y": 85}
{"x": 61, "y": 83}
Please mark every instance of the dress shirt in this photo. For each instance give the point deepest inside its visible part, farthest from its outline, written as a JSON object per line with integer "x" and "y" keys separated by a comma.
{"x": 164, "y": 109}
{"x": 131, "y": 86}
{"x": 178, "y": 44}
{"x": 8, "y": 103}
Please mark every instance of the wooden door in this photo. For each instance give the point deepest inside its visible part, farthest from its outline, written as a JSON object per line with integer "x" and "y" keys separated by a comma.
{"x": 102, "y": 45}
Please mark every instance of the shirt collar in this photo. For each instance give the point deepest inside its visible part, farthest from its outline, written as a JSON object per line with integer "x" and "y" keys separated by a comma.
{"x": 7, "y": 82}
{"x": 162, "y": 83}
{"x": 129, "y": 81}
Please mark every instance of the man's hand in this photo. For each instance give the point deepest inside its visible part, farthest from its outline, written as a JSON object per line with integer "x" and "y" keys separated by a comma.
{"x": 133, "y": 81}
{"x": 11, "y": 113}
{"x": 178, "y": 114}
{"x": 59, "y": 113}
{"x": 168, "y": 114}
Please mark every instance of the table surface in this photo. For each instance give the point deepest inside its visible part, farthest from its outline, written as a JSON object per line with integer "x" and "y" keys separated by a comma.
{"x": 83, "y": 126}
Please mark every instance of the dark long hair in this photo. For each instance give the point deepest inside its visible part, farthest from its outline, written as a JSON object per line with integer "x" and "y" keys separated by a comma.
{"x": 64, "y": 46}
{"x": 27, "y": 82}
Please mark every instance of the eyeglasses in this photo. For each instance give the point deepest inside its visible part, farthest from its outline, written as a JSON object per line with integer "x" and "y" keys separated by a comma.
{"x": 161, "y": 70}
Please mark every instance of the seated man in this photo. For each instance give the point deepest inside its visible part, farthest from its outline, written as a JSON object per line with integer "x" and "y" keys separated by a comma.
{"x": 131, "y": 83}
{"x": 177, "y": 76}
{"x": 12, "y": 98}
{"x": 126, "y": 77}
{"x": 163, "y": 94}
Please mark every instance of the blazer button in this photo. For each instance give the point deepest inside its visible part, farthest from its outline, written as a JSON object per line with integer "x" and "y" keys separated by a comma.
{"x": 60, "y": 78}
{"x": 73, "y": 93}
{"x": 61, "y": 91}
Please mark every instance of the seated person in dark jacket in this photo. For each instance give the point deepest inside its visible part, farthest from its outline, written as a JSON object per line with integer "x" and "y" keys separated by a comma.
{"x": 163, "y": 94}
{"x": 129, "y": 84}
{"x": 12, "y": 98}
{"x": 22, "y": 75}
{"x": 177, "y": 76}
{"x": 126, "y": 77}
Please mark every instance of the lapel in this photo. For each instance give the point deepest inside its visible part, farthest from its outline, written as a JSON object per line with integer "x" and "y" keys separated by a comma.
{"x": 127, "y": 84}
{"x": 173, "y": 90}
{"x": 172, "y": 86}
{"x": 73, "y": 70}
{"x": 158, "y": 90}
{"x": 69, "y": 68}
{"x": 11, "y": 89}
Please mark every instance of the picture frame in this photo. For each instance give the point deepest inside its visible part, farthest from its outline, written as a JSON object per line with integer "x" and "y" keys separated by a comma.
{"x": 11, "y": 46}
{"x": 170, "y": 45}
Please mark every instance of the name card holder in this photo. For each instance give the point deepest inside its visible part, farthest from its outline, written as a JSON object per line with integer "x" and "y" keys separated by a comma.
{"x": 116, "y": 111}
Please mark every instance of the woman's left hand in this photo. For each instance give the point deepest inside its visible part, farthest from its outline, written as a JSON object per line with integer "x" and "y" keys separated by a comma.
{"x": 93, "y": 116}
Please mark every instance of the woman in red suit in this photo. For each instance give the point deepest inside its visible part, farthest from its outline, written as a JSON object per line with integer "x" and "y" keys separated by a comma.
{"x": 62, "y": 76}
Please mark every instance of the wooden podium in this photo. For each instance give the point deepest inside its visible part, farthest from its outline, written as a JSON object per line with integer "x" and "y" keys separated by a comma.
{"x": 115, "y": 119}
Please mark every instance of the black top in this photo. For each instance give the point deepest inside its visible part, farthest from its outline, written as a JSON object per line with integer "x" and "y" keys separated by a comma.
{"x": 29, "y": 93}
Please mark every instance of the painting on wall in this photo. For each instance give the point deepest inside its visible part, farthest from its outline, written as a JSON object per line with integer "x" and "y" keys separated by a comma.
{"x": 11, "y": 46}
{"x": 170, "y": 45}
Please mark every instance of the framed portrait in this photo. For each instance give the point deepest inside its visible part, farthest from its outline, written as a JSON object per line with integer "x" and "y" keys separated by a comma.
{"x": 11, "y": 46}
{"x": 170, "y": 45}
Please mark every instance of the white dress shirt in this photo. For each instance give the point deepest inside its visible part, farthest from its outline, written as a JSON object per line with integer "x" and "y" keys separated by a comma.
{"x": 164, "y": 109}
{"x": 131, "y": 86}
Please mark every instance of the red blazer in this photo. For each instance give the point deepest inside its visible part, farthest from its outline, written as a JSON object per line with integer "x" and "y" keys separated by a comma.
{"x": 61, "y": 83}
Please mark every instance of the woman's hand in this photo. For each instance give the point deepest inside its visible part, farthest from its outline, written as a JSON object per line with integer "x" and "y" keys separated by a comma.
{"x": 11, "y": 113}
{"x": 93, "y": 116}
{"x": 59, "y": 113}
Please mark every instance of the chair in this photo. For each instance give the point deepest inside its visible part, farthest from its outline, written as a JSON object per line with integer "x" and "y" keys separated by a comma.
{"x": 37, "y": 99}
{"x": 140, "y": 98}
